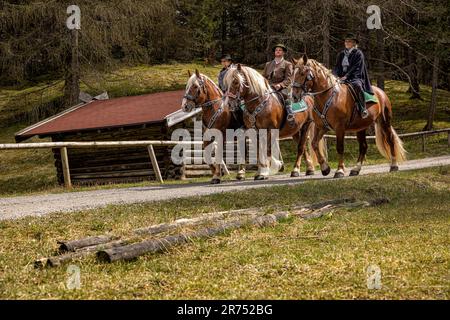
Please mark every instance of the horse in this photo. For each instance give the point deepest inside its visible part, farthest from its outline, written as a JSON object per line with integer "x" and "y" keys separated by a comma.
{"x": 264, "y": 110}
{"x": 202, "y": 92}
{"x": 334, "y": 109}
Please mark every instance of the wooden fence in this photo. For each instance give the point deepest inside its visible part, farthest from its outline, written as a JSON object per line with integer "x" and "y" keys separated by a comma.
{"x": 63, "y": 146}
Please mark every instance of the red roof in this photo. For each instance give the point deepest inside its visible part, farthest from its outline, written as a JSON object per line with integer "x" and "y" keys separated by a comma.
{"x": 119, "y": 112}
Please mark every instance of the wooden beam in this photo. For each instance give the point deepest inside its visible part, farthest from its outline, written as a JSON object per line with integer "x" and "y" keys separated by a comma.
{"x": 155, "y": 165}
{"x": 95, "y": 144}
{"x": 65, "y": 166}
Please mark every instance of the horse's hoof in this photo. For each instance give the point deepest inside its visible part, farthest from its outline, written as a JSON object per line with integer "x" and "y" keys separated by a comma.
{"x": 215, "y": 181}
{"x": 260, "y": 177}
{"x": 295, "y": 174}
{"x": 354, "y": 173}
{"x": 339, "y": 174}
{"x": 309, "y": 172}
{"x": 326, "y": 171}
{"x": 393, "y": 169}
{"x": 240, "y": 178}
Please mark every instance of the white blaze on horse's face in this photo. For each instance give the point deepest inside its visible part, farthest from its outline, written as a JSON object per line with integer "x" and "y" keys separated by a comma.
{"x": 188, "y": 105}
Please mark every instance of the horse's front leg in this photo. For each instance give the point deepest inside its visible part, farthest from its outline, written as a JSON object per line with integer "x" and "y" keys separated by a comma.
{"x": 215, "y": 169}
{"x": 340, "y": 135}
{"x": 362, "y": 152}
{"x": 264, "y": 155}
{"x": 300, "y": 138}
{"x": 318, "y": 147}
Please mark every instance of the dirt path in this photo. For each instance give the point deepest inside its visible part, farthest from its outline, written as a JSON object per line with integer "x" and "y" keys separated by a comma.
{"x": 39, "y": 205}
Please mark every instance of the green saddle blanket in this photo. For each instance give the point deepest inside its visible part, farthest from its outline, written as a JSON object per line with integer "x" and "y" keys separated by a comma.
{"x": 299, "y": 106}
{"x": 370, "y": 98}
{"x": 296, "y": 107}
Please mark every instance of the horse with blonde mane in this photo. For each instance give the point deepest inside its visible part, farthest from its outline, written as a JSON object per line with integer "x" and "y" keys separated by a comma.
{"x": 264, "y": 110}
{"x": 334, "y": 109}
{"x": 202, "y": 92}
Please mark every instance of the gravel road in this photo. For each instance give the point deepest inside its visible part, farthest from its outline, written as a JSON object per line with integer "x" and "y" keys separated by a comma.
{"x": 40, "y": 205}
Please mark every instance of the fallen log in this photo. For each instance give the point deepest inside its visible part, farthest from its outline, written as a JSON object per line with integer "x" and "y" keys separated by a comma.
{"x": 116, "y": 248}
{"x": 66, "y": 246}
{"x": 135, "y": 250}
{"x": 84, "y": 252}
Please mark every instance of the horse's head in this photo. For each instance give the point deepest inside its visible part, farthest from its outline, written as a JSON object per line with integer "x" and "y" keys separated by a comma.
{"x": 302, "y": 79}
{"x": 196, "y": 92}
{"x": 236, "y": 86}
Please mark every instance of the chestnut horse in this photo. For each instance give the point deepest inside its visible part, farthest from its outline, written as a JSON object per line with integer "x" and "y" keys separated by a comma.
{"x": 335, "y": 109}
{"x": 263, "y": 110}
{"x": 202, "y": 92}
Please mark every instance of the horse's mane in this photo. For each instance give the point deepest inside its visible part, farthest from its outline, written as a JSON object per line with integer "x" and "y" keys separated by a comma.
{"x": 193, "y": 80}
{"x": 256, "y": 83}
{"x": 327, "y": 73}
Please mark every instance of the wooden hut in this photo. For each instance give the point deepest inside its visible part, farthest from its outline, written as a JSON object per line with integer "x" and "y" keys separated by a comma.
{"x": 146, "y": 117}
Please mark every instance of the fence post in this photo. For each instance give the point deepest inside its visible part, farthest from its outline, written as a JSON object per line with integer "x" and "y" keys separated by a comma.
{"x": 325, "y": 143}
{"x": 65, "y": 167}
{"x": 423, "y": 143}
{"x": 448, "y": 138}
{"x": 155, "y": 165}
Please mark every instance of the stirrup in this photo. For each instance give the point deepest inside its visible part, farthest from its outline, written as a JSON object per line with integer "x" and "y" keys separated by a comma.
{"x": 364, "y": 114}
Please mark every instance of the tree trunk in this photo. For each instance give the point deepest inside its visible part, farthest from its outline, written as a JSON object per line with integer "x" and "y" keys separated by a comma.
{"x": 380, "y": 64}
{"x": 72, "y": 79}
{"x": 414, "y": 88}
{"x": 326, "y": 34}
{"x": 268, "y": 30}
{"x": 432, "y": 109}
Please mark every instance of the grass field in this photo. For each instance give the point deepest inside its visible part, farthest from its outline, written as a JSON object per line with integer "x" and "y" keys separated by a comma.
{"x": 317, "y": 259}
{"x": 20, "y": 174}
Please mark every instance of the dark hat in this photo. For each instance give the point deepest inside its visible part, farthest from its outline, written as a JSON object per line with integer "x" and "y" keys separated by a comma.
{"x": 280, "y": 45}
{"x": 226, "y": 57}
{"x": 351, "y": 36}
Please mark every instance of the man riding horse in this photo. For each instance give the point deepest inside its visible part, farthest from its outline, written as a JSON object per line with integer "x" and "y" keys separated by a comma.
{"x": 351, "y": 68}
{"x": 279, "y": 73}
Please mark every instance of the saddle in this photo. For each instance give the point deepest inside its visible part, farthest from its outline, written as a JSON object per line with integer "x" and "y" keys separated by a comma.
{"x": 370, "y": 99}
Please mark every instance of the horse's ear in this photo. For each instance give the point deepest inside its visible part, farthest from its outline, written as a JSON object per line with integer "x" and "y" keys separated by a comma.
{"x": 305, "y": 58}
{"x": 293, "y": 61}
{"x": 189, "y": 74}
{"x": 197, "y": 73}
{"x": 239, "y": 67}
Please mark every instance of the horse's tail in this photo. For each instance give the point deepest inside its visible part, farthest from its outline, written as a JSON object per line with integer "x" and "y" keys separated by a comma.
{"x": 388, "y": 142}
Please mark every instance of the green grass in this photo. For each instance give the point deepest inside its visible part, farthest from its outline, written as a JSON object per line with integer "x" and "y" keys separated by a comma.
{"x": 318, "y": 259}
{"x": 32, "y": 171}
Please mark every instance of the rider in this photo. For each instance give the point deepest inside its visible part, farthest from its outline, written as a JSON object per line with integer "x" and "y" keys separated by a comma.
{"x": 279, "y": 72}
{"x": 227, "y": 63}
{"x": 351, "y": 67}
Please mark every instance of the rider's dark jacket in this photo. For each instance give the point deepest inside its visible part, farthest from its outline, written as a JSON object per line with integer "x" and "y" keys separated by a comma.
{"x": 356, "y": 72}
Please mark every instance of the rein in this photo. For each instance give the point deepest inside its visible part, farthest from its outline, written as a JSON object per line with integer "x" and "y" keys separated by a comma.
{"x": 322, "y": 115}
{"x": 209, "y": 103}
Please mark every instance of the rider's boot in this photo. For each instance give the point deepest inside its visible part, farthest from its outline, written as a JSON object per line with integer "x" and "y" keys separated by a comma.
{"x": 361, "y": 103}
{"x": 290, "y": 113}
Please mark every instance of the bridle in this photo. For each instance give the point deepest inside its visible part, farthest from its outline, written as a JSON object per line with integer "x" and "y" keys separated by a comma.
{"x": 251, "y": 115}
{"x": 208, "y": 103}
{"x": 193, "y": 99}
{"x": 309, "y": 77}
{"x": 305, "y": 92}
